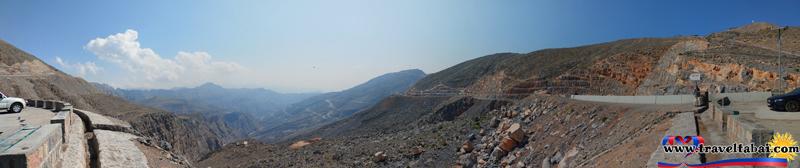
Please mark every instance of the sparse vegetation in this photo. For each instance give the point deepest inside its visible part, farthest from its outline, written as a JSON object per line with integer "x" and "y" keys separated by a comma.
{"x": 603, "y": 119}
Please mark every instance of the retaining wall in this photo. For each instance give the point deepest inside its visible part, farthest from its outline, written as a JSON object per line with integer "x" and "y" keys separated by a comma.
{"x": 674, "y": 99}
{"x": 743, "y": 130}
{"x": 665, "y": 99}
{"x": 37, "y": 146}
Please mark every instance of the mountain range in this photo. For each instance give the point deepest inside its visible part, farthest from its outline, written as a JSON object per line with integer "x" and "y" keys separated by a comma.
{"x": 511, "y": 110}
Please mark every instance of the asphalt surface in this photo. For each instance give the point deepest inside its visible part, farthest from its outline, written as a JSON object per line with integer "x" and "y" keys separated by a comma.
{"x": 780, "y": 121}
{"x": 31, "y": 116}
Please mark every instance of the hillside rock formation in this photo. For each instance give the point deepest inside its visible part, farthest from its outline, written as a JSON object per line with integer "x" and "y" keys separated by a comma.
{"x": 241, "y": 122}
{"x": 318, "y": 110}
{"x": 508, "y": 108}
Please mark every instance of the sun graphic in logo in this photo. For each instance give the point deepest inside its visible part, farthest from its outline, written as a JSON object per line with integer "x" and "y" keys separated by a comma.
{"x": 784, "y": 140}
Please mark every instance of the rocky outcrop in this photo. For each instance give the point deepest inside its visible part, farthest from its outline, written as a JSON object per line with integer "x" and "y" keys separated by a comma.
{"x": 378, "y": 157}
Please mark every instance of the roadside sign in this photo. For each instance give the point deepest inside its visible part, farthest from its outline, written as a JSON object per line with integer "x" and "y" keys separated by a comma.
{"x": 694, "y": 77}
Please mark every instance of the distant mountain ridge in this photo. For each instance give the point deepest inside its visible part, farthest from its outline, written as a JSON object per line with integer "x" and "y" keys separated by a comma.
{"x": 328, "y": 107}
{"x": 244, "y": 122}
{"x": 260, "y": 102}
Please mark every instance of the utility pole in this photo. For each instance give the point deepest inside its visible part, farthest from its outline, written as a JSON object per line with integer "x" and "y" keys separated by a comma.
{"x": 780, "y": 29}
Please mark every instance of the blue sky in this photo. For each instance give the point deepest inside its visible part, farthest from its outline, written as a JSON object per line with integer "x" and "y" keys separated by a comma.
{"x": 301, "y": 46}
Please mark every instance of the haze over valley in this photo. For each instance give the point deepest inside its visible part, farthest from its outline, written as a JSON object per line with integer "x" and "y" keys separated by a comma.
{"x": 393, "y": 83}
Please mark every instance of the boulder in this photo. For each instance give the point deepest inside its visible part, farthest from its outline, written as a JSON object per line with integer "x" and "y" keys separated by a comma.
{"x": 556, "y": 158}
{"x": 516, "y": 132}
{"x": 467, "y": 146}
{"x": 468, "y": 160}
{"x": 497, "y": 154}
{"x": 299, "y": 144}
{"x": 724, "y": 101}
{"x": 378, "y": 157}
{"x": 416, "y": 150}
{"x": 509, "y": 160}
{"x": 546, "y": 162}
{"x": 511, "y": 113}
{"x": 528, "y": 112}
{"x": 504, "y": 126}
{"x": 493, "y": 122}
{"x": 520, "y": 165}
{"x": 508, "y": 144}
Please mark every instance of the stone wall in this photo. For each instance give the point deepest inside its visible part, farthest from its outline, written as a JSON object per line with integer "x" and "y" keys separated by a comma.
{"x": 37, "y": 146}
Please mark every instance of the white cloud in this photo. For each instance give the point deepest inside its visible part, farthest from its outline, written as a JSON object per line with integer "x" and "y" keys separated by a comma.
{"x": 150, "y": 69}
{"x": 80, "y": 68}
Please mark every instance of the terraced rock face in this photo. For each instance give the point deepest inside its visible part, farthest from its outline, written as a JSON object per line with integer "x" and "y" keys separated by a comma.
{"x": 626, "y": 67}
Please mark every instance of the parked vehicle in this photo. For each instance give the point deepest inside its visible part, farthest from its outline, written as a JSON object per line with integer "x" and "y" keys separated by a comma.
{"x": 789, "y": 101}
{"x": 12, "y": 104}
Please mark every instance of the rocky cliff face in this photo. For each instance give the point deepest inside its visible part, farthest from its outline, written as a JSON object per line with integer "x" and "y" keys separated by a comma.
{"x": 244, "y": 123}
{"x": 731, "y": 61}
{"x": 28, "y": 77}
{"x": 498, "y": 110}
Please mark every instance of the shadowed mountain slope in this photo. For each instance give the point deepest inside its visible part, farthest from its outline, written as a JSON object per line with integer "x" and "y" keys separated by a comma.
{"x": 314, "y": 111}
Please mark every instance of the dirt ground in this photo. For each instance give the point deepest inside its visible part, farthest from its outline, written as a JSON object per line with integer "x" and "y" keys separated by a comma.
{"x": 154, "y": 157}
{"x": 635, "y": 152}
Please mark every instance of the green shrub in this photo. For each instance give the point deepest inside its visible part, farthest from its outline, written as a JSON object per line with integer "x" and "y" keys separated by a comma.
{"x": 797, "y": 70}
{"x": 603, "y": 119}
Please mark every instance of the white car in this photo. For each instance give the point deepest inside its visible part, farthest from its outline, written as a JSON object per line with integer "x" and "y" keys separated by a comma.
{"x": 12, "y": 104}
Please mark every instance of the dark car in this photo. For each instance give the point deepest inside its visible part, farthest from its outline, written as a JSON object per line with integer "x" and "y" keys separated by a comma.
{"x": 789, "y": 101}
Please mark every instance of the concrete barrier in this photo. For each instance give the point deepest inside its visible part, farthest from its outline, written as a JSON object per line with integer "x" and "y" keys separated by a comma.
{"x": 742, "y": 97}
{"x": 674, "y": 99}
{"x": 625, "y": 98}
{"x": 63, "y": 118}
{"x": 644, "y": 99}
{"x": 612, "y": 99}
{"x": 96, "y": 121}
{"x": 31, "y": 103}
{"x": 40, "y": 103}
{"x": 720, "y": 115}
{"x": 745, "y": 131}
{"x": 669, "y": 99}
{"x": 41, "y": 147}
{"x": 48, "y": 104}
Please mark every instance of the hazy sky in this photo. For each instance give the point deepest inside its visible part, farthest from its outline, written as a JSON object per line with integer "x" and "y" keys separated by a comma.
{"x": 301, "y": 46}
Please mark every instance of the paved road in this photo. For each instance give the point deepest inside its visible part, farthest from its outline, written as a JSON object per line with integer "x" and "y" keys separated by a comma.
{"x": 32, "y": 117}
